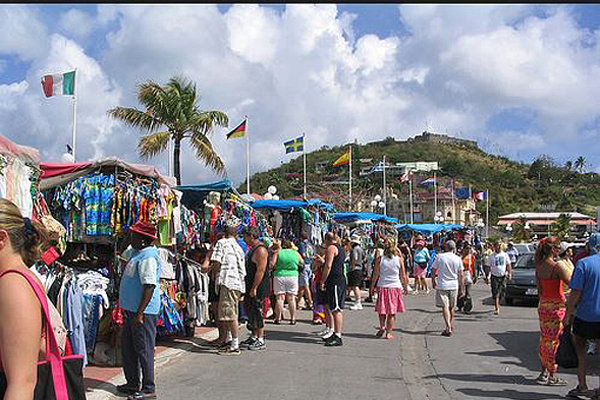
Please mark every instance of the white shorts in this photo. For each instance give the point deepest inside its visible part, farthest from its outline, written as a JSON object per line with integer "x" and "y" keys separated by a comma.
{"x": 285, "y": 285}
{"x": 446, "y": 298}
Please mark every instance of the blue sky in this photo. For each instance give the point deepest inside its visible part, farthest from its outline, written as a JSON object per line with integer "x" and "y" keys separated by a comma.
{"x": 523, "y": 80}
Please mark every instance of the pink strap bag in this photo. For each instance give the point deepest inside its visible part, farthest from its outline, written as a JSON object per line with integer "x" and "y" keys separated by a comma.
{"x": 59, "y": 378}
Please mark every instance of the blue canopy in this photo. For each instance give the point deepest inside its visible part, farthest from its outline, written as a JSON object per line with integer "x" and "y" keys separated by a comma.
{"x": 193, "y": 195}
{"x": 350, "y": 216}
{"x": 428, "y": 228}
{"x": 279, "y": 205}
{"x": 286, "y": 205}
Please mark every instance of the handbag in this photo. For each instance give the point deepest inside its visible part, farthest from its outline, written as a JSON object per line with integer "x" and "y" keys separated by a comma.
{"x": 59, "y": 378}
{"x": 566, "y": 355}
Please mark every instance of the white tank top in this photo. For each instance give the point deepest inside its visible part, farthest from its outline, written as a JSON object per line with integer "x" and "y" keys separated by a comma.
{"x": 389, "y": 273}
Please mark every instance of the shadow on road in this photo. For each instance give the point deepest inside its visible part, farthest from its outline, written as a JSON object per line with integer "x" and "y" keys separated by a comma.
{"x": 510, "y": 394}
{"x": 507, "y": 379}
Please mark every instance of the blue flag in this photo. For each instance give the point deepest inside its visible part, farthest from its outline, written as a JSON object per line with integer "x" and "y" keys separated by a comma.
{"x": 294, "y": 145}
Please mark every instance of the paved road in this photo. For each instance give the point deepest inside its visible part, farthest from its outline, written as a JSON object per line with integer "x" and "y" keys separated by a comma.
{"x": 489, "y": 357}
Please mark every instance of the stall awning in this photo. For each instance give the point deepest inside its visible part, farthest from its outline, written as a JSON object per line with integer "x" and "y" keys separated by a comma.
{"x": 71, "y": 171}
{"x": 279, "y": 205}
{"x": 26, "y": 154}
{"x": 428, "y": 228}
{"x": 193, "y": 195}
{"x": 350, "y": 216}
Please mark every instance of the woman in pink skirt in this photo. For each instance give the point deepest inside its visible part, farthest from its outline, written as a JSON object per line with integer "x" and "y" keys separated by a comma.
{"x": 386, "y": 275}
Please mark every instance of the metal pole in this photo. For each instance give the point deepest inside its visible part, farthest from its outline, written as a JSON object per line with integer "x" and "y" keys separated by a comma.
{"x": 453, "y": 204}
{"x": 487, "y": 213}
{"x": 434, "y": 195}
{"x": 304, "y": 155}
{"x": 247, "y": 158}
{"x": 74, "y": 138}
{"x": 384, "y": 189}
{"x": 350, "y": 179}
{"x": 412, "y": 218}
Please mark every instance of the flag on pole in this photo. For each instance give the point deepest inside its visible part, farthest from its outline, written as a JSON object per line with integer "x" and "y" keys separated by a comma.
{"x": 463, "y": 193}
{"x": 377, "y": 168}
{"x": 343, "y": 160}
{"x": 428, "y": 182}
{"x": 406, "y": 176}
{"x": 294, "y": 145}
{"x": 238, "y": 132}
{"x": 59, "y": 84}
{"x": 481, "y": 196}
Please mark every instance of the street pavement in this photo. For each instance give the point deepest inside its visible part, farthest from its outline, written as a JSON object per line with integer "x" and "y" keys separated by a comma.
{"x": 488, "y": 357}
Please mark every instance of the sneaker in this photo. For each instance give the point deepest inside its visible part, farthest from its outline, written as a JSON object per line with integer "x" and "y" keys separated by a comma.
{"x": 335, "y": 340}
{"x": 323, "y": 332}
{"x": 579, "y": 392}
{"x": 248, "y": 342}
{"x": 356, "y": 306}
{"x": 542, "y": 379}
{"x": 127, "y": 389}
{"x": 556, "y": 381}
{"x": 228, "y": 351}
{"x": 257, "y": 345}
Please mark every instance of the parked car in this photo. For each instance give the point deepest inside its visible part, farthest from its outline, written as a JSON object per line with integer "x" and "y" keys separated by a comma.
{"x": 524, "y": 248}
{"x": 522, "y": 285}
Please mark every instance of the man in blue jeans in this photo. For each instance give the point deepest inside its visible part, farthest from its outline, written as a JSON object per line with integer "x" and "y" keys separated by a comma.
{"x": 139, "y": 298}
{"x": 583, "y": 311}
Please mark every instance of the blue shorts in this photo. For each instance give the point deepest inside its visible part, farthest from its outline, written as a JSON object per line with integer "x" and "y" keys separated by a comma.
{"x": 304, "y": 276}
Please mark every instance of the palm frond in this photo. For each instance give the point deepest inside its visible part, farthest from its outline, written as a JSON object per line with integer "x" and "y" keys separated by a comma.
{"x": 205, "y": 121}
{"x": 153, "y": 144}
{"x": 136, "y": 118}
{"x": 205, "y": 152}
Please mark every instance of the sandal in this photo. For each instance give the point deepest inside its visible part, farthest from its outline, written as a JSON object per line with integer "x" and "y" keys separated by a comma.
{"x": 380, "y": 333}
{"x": 446, "y": 333}
{"x": 579, "y": 392}
{"x": 293, "y": 322}
{"x": 389, "y": 336}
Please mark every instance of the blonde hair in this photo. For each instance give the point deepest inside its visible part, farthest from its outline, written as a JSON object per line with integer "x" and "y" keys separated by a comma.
{"x": 26, "y": 237}
{"x": 389, "y": 249}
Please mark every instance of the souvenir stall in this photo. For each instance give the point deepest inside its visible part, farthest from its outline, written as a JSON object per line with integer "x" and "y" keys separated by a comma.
{"x": 19, "y": 176}
{"x": 291, "y": 218}
{"x": 96, "y": 202}
{"x": 368, "y": 226}
{"x": 438, "y": 231}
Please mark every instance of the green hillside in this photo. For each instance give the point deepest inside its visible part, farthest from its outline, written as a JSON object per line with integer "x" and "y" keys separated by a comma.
{"x": 513, "y": 186}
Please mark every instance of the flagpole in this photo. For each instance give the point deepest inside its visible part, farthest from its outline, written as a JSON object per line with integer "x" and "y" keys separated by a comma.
{"x": 434, "y": 195}
{"x": 412, "y": 219}
{"x": 384, "y": 189}
{"x": 74, "y": 138}
{"x": 350, "y": 179}
{"x": 304, "y": 155}
{"x": 487, "y": 213}
{"x": 247, "y": 158}
{"x": 453, "y": 204}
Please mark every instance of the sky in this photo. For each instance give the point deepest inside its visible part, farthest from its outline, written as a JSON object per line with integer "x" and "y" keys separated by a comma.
{"x": 522, "y": 80}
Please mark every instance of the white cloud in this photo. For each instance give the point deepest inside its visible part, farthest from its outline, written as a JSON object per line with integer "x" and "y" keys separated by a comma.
{"x": 306, "y": 70}
{"x": 22, "y": 33}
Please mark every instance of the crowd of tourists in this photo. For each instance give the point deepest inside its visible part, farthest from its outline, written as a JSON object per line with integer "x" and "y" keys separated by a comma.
{"x": 260, "y": 280}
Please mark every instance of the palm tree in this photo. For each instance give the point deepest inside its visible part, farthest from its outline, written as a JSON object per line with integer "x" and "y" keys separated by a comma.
{"x": 562, "y": 226}
{"x": 172, "y": 113}
{"x": 569, "y": 165}
{"x": 580, "y": 163}
{"x": 521, "y": 232}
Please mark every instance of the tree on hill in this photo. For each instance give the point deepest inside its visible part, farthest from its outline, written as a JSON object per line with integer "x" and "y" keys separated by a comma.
{"x": 562, "y": 226}
{"x": 172, "y": 114}
{"x": 569, "y": 166}
{"x": 580, "y": 163}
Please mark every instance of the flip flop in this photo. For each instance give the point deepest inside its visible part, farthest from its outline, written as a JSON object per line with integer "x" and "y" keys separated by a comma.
{"x": 380, "y": 333}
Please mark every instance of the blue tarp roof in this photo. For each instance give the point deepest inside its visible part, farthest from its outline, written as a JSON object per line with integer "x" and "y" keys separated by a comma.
{"x": 194, "y": 194}
{"x": 428, "y": 228}
{"x": 286, "y": 205}
{"x": 350, "y": 216}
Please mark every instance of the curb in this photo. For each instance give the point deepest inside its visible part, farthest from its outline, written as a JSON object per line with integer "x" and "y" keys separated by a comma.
{"x": 107, "y": 390}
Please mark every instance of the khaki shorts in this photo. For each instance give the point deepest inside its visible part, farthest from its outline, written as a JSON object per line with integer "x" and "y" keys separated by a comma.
{"x": 446, "y": 298}
{"x": 228, "y": 304}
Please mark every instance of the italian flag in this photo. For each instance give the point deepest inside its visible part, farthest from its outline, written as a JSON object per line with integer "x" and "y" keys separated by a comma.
{"x": 59, "y": 84}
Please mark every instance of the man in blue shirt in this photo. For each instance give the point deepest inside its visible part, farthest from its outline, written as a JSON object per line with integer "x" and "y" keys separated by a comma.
{"x": 583, "y": 310}
{"x": 139, "y": 298}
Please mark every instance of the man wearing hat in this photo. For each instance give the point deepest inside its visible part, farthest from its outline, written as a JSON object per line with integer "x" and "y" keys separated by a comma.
{"x": 139, "y": 298}
{"x": 355, "y": 275}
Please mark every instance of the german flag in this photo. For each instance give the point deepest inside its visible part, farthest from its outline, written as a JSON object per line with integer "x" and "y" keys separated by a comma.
{"x": 238, "y": 132}
{"x": 343, "y": 160}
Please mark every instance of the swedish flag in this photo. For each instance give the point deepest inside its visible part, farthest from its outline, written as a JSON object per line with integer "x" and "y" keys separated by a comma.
{"x": 294, "y": 145}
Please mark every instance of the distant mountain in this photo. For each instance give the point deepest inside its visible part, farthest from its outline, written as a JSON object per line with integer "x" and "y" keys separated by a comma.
{"x": 513, "y": 186}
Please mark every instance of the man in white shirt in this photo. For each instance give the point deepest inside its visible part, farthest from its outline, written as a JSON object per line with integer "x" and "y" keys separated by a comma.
{"x": 229, "y": 259}
{"x": 501, "y": 271}
{"x": 449, "y": 270}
